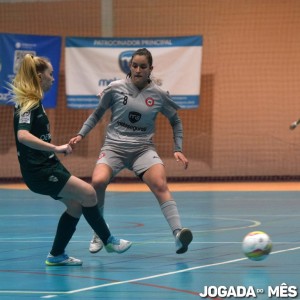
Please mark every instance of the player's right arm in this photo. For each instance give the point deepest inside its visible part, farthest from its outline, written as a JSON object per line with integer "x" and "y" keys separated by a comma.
{"x": 294, "y": 124}
{"x": 95, "y": 117}
{"x": 31, "y": 141}
{"x": 88, "y": 125}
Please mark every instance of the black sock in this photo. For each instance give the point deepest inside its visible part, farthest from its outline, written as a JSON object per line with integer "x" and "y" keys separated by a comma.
{"x": 96, "y": 221}
{"x": 64, "y": 232}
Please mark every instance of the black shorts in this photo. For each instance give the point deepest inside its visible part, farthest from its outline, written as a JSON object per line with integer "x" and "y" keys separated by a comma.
{"x": 49, "y": 180}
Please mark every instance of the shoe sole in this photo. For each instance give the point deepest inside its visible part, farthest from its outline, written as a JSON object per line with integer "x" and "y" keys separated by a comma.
{"x": 109, "y": 250}
{"x": 62, "y": 264}
{"x": 93, "y": 252}
{"x": 185, "y": 238}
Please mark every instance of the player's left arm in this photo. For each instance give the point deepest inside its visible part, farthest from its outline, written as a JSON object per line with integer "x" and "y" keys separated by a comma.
{"x": 178, "y": 139}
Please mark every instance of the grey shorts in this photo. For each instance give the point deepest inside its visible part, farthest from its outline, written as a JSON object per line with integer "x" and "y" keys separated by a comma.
{"x": 136, "y": 159}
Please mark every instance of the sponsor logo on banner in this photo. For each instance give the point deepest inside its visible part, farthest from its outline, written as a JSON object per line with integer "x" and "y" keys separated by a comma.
{"x": 18, "y": 58}
{"x": 124, "y": 60}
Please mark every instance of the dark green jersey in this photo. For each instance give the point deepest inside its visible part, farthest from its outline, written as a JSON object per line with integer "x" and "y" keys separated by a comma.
{"x": 37, "y": 123}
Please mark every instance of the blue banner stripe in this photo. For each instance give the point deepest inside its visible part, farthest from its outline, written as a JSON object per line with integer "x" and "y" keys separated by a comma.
{"x": 149, "y": 42}
{"x": 90, "y": 102}
{"x": 191, "y": 101}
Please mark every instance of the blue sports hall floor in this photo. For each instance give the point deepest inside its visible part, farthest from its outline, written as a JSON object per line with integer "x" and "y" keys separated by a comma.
{"x": 220, "y": 215}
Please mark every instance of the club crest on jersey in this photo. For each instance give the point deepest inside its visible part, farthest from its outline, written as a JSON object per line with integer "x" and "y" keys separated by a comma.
{"x": 25, "y": 118}
{"x": 102, "y": 154}
{"x": 149, "y": 101}
{"x": 134, "y": 116}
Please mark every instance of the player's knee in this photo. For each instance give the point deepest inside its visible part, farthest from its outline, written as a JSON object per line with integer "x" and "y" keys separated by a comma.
{"x": 159, "y": 186}
{"x": 99, "y": 184}
{"x": 74, "y": 209}
{"x": 90, "y": 197}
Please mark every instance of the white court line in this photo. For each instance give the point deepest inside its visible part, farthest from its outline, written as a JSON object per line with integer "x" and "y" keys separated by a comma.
{"x": 54, "y": 294}
{"x": 171, "y": 273}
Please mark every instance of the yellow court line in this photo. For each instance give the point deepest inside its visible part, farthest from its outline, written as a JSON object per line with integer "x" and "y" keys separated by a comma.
{"x": 193, "y": 186}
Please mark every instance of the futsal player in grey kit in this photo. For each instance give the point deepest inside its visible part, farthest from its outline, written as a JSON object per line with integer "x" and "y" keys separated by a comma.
{"x": 135, "y": 103}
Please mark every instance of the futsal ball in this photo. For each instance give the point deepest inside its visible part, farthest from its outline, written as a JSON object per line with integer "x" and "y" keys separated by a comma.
{"x": 257, "y": 245}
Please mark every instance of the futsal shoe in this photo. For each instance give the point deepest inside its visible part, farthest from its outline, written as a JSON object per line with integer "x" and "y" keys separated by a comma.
{"x": 182, "y": 240}
{"x": 117, "y": 245}
{"x": 62, "y": 260}
{"x": 96, "y": 244}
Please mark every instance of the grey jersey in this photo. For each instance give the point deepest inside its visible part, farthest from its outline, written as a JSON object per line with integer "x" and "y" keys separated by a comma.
{"x": 133, "y": 114}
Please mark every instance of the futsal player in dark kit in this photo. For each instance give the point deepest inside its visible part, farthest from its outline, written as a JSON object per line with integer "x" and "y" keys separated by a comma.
{"x": 41, "y": 169}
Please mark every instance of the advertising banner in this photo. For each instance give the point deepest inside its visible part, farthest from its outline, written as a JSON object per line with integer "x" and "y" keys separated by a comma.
{"x": 13, "y": 48}
{"x": 92, "y": 63}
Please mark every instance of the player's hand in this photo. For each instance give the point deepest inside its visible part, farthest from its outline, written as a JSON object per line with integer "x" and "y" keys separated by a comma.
{"x": 293, "y": 126}
{"x": 179, "y": 156}
{"x": 73, "y": 141}
{"x": 66, "y": 149}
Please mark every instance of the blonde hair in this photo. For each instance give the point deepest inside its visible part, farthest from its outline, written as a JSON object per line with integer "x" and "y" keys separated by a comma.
{"x": 26, "y": 87}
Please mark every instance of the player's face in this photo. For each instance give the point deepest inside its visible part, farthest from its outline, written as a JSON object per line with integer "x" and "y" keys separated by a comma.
{"x": 47, "y": 78}
{"x": 140, "y": 71}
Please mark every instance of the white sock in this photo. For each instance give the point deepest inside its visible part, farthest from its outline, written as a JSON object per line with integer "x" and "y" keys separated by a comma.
{"x": 169, "y": 209}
